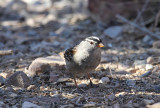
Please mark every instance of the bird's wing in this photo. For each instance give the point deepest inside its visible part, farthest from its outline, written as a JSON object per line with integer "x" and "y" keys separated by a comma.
{"x": 68, "y": 55}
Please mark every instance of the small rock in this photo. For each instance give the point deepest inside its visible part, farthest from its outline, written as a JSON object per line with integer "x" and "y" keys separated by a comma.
{"x": 111, "y": 97}
{"x": 131, "y": 82}
{"x": 139, "y": 64}
{"x": 70, "y": 84}
{"x": 136, "y": 105}
{"x": 45, "y": 64}
{"x": 52, "y": 77}
{"x": 150, "y": 60}
{"x": 1, "y": 91}
{"x": 148, "y": 40}
{"x": 156, "y": 105}
{"x": 2, "y": 105}
{"x": 2, "y": 81}
{"x": 4, "y": 75}
{"x": 18, "y": 79}
{"x": 113, "y": 31}
{"x": 149, "y": 66}
{"x": 156, "y": 44}
{"x": 104, "y": 80}
{"x": 82, "y": 85}
{"x": 42, "y": 88}
{"x": 37, "y": 68}
{"x": 117, "y": 105}
{"x": 128, "y": 105}
{"x": 148, "y": 102}
{"x": 30, "y": 105}
{"x": 13, "y": 95}
{"x": 156, "y": 88}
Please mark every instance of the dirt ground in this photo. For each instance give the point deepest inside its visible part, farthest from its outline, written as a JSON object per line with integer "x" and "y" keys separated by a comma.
{"x": 127, "y": 77}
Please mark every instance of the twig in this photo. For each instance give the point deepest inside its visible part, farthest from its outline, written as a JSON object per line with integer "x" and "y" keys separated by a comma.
{"x": 143, "y": 29}
{"x": 5, "y": 52}
{"x": 110, "y": 72}
{"x": 143, "y": 9}
{"x": 156, "y": 20}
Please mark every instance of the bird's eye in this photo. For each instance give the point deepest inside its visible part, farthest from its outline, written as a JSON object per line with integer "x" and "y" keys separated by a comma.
{"x": 91, "y": 42}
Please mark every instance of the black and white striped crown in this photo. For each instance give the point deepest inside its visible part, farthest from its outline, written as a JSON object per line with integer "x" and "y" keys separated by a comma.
{"x": 93, "y": 39}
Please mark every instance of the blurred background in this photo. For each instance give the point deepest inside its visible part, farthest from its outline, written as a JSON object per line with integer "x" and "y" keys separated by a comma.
{"x": 31, "y": 25}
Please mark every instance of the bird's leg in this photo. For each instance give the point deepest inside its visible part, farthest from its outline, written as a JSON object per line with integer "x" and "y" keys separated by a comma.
{"x": 77, "y": 88}
{"x": 75, "y": 81}
{"x": 91, "y": 84}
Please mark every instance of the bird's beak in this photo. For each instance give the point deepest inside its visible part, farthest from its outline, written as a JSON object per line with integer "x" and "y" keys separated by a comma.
{"x": 100, "y": 45}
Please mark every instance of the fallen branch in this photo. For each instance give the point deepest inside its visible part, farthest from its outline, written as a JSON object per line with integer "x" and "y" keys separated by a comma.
{"x": 5, "y": 52}
{"x": 143, "y": 29}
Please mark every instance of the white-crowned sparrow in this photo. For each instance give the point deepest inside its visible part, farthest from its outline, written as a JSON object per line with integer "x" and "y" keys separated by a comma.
{"x": 83, "y": 58}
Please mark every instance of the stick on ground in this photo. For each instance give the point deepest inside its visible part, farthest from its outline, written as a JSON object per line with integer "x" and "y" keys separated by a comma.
{"x": 143, "y": 29}
{"x": 5, "y": 52}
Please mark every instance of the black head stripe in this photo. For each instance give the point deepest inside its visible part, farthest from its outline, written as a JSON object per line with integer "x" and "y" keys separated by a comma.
{"x": 95, "y": 39}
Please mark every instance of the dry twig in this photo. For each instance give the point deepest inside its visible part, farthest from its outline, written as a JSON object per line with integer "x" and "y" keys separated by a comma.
{"x": 143, "y": 9}
{"x": 143, "y": 29}
{"x": 5, "y": 52}
{"x": 157, "y": 19}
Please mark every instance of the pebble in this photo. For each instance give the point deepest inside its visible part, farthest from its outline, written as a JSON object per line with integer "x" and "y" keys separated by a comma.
{"x": 156, "y": 88}
{"x": 114, "y": 31}
{"x": 43, "y": 65}
{"x": 82, "y": 85}
{"x": 13, "y": 95}
{"x": 128, "y": 105}
{"x": 149, "y": 66}
{"x": 4, "y": 75}
{"x": 148, "y": 102}
{"x": 150, "y": 60}
{"x": 156, "y": 44}
{"x": 1, "y": 91}
{"x": 111, "y": 97}
{"x": 18, "y": 79}
{"x": 131, "y": 82}
{"x": 70, "y": 84}
{"x": 104, "y": 80}
{"x": 136, "y": 105}
{"x": 148, "y": 40}
{"x": 2, "y": 104}
{"x": 30, "y": 105}
{"x": 2, "y": 80}
{"x": 117, "y": 105}
{"x": 31, "y": 87}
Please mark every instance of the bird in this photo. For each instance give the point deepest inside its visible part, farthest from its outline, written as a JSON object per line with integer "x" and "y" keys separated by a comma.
{"x": 84, "y": 57}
